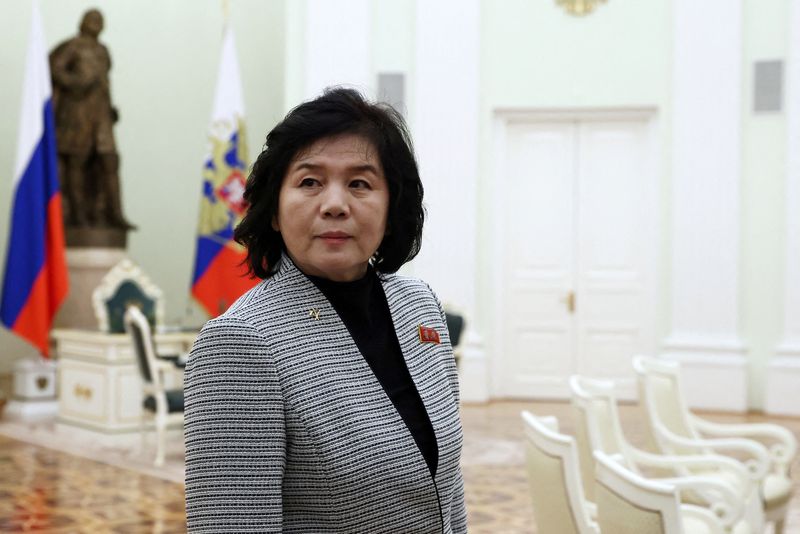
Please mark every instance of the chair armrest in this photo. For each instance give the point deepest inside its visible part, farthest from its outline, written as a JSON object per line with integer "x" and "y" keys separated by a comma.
{"x": 703, "y": 514}
{"x": 177, "y": 360}
{"x": 165, "y": 366}
{"x": 781, "y": 443}
{"x": 758, "y": 460}
{"x": 722, "y": 501}
{"x": 700, "y": 461}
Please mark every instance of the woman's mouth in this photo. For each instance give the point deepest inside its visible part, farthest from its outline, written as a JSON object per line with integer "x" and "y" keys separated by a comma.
{"x": 334, "y": 237}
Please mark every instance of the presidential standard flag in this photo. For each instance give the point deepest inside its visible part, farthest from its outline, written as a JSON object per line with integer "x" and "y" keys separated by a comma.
{"x": 219, "y": 276}
{"x": 36, "y": 277}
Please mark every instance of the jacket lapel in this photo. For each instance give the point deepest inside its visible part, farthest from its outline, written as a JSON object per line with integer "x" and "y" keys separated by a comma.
{"x": 423, "y": 359}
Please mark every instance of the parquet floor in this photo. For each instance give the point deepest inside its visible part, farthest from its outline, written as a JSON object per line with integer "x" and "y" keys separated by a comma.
{"x": 46, "y": 490}
{"x": 43, "y": 490}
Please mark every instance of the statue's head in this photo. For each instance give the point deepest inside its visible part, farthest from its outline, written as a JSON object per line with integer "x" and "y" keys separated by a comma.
{"x": 92, "y": 23}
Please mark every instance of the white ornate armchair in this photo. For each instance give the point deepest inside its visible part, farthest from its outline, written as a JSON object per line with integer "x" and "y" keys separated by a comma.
{"x": 165, "y": 406}
{"x": 559, "y": 505}
{"x": 725, "y": 488}
{"x": 627, "y": 503}
{"x": 766, "y": 449}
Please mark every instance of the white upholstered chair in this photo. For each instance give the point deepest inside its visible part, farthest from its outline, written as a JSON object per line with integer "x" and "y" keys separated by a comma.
{"x": 726, "y": 488}
{"x": 165, "y": 406}
{"x": 559, "y": 505}
{"x": 627, "y": 503}
{"x": 767, "y": 449}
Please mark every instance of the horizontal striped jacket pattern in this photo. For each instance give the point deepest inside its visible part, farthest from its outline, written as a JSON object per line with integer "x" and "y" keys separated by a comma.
{"x": 287, "y": 429}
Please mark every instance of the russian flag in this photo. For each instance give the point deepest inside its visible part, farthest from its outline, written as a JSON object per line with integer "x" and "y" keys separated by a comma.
{"x": 219, "y": 276}
{"x": 36, "y": 277}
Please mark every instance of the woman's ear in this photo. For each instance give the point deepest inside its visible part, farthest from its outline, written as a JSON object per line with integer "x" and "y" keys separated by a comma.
{"x": 275, "y": 225}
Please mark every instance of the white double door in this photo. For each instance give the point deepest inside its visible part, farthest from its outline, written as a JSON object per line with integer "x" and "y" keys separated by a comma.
{"x": 578, "y": 239}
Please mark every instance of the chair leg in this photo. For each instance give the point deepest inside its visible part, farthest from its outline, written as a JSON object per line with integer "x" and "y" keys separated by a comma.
{"x": 778, "y": 527}
{"x": 161, "y": 430}
{"x": 143, "y": 433}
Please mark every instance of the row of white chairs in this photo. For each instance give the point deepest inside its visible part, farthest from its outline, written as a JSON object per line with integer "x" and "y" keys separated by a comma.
{"x": 706, "y": 478}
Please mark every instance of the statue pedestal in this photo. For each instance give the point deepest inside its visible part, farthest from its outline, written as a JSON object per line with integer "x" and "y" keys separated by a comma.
{"x": 87, "y": 267}
{"x": 96, "y": 237}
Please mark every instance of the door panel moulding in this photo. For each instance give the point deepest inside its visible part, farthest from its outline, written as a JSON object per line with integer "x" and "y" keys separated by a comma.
{"x": 503, "y": 120}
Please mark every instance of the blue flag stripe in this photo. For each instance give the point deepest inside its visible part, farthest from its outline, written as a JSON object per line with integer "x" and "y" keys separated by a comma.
{"x": 27, "y": 242}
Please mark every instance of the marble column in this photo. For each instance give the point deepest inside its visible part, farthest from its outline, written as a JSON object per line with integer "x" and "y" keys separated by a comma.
{"x": 445, "y": 121}
{"x": 706, "y": 170}
{"x": 783, "y": 370}
{"x": 327, "y": 43}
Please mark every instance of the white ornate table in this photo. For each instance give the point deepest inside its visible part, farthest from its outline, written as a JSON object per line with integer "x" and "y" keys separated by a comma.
{"x": 99, "y": 389}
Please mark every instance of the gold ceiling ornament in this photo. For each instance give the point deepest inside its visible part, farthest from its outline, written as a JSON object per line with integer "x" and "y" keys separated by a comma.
{"x": 579, "y": 8}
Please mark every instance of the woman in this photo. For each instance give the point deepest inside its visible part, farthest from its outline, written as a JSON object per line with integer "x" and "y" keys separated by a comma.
{"x": 326, "y": 398}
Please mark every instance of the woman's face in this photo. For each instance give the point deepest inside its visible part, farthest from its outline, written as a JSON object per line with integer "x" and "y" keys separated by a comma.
{"x": 332, "y": 207}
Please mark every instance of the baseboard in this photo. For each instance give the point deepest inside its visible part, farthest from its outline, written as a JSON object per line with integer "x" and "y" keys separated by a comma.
{"x": 712, "y": 378}
{"x": 473, "y": 370}
{"x": 781, "y": 395}
{"x": 30, "y": 410}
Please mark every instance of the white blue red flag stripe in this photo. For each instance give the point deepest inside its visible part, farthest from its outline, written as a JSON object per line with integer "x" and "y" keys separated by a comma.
{"x": 219, "y": 276}
{"x": 36, "y": 280}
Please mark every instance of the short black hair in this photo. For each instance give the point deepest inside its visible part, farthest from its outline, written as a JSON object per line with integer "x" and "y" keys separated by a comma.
{"x": 337, "y": 111}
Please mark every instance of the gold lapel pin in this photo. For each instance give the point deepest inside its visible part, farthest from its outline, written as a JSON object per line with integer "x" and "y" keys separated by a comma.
{"x": 314, "y": 312}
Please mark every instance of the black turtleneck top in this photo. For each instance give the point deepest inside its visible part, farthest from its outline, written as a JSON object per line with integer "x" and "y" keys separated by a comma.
{"x": 363, "y": 308}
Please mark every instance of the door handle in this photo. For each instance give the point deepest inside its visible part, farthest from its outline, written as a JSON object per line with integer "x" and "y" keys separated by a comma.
{"x": 569, "y": 300}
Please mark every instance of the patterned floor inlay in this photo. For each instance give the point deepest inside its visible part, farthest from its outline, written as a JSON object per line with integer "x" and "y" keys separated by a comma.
{"x": 47, "y": 490}
{"x": 43, "y": 490}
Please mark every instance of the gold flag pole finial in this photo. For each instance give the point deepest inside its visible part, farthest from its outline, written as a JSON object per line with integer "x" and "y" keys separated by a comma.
{"x": 226, "y": 11}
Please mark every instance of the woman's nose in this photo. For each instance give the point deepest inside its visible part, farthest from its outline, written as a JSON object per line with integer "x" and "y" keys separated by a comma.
{"x": 334, "y": 202}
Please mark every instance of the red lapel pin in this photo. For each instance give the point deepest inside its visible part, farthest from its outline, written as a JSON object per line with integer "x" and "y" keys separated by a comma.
{"x": 428, "y": 335}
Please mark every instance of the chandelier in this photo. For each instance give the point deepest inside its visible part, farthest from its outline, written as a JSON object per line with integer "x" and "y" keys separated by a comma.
{"x": 579, "y": 7}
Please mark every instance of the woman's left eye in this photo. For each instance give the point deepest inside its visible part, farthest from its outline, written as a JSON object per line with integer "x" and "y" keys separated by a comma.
{"x": 359, "y": 184}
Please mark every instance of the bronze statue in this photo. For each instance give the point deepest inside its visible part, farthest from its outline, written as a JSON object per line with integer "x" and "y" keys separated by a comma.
{"x": 87, "y": 154}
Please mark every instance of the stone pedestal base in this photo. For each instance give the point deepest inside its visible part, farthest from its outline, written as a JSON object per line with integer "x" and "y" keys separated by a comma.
{"x": 96, "y": 237}
{"x": 34, "y": 395}
{"x": 87, "y": 266}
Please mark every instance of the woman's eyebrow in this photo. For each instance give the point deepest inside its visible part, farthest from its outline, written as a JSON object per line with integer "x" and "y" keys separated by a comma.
{"x": 364, "y": 168}
{"x": 367, "y": 167}
{"x": 306, "y": 166}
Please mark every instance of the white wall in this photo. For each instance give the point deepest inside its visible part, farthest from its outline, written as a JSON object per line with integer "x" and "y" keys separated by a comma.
{"x": 763, "y": 190}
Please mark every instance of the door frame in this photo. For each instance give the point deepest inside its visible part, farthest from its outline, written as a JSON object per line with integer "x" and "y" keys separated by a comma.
{"x": 501, "y": 120}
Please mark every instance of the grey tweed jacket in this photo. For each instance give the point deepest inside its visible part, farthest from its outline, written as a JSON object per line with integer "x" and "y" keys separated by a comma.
{"x": 287, "y": 429}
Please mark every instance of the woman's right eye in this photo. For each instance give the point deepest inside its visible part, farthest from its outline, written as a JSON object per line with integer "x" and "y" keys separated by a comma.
{"x": 308, "y": 182}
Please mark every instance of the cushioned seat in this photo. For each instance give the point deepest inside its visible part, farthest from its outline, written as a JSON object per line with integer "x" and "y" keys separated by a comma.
{"x": 692, "y": 525}
{"x": 174, "y": 401}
